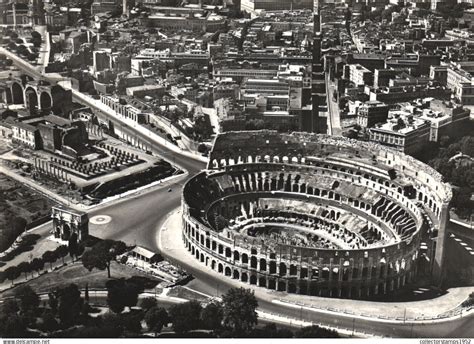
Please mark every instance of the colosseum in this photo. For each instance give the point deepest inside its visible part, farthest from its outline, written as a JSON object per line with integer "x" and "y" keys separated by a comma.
{"x": 315, "y": 215}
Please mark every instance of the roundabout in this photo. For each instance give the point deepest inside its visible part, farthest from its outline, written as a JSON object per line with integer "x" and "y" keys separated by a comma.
{"x": 100, "y": 219}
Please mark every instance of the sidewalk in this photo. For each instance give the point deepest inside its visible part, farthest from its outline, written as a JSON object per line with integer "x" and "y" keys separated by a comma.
{"x": 170, "y": 240}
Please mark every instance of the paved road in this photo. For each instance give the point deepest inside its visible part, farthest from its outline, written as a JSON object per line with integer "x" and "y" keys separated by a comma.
{"x": 334, "y": 120}
{"x": 137, "y": 220}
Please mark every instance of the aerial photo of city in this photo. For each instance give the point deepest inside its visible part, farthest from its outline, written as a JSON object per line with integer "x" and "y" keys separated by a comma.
{"x": 260, "y": 170}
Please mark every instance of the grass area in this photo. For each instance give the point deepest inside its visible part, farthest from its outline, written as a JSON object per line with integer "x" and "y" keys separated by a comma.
{"x": 186, "y": 294}
{"x": 76, "y": 273}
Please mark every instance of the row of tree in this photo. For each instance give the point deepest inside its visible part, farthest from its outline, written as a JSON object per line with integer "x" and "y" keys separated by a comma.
{"x": 99, "y": 256}
{"x": 36, "y": 264}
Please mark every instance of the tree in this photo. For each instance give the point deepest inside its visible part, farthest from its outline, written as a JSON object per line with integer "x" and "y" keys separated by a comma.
{"x": 61, "y": 251}
{"x": 462, "y": 203}
{"x": 29, "y": 300}
{"x": 12, "y": 46}
{"x": 31, "y": 56}
{"x": 112, "y": 321}
{"x": 37, "y": 264}
{"x": 255, "y": 124}
{"x": 49, "y": 322}
{"x": 73, "y": 246}
{"x": 35, "y": 34}
{"x": 22, "y": 50}
{"x": 272, "y": 331}
{"x": 147, "y": 303}
{"x": 12, "y": 326}
{"x": 19, "y": 224}
{"x": 315, "y": 331}
{"x": 122, "y": 294}
{"x": 202, "y": 148}
{"x": 70, "y": 304}
{"x": 240, "y": 310}
{"x": 101, "y": 255}
{"x": 467, "y": 146}
{"x": 13, "y": 35}
{"x": 12, "y": 273}
{"x": 9, "y": 307}
{"x": 186, "y": 316}
{"x": 53, "y": 301}
{"x": 50, "y": 257}
{"x": 25, "y": 268}
{"x": 155, "y": 318}
{"x": 36, "y": 41}
{"x": 132, "y": 321}
{"x": 86, "y": 293}
{"x": 352, "y": 134}
{"x": 212, "y": 315}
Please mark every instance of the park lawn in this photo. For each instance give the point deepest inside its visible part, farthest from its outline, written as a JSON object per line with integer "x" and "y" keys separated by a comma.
{"x": 77, "y": 274}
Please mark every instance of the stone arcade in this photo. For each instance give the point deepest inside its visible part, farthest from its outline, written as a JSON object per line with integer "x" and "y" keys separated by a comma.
{"x": 316, "y": 215}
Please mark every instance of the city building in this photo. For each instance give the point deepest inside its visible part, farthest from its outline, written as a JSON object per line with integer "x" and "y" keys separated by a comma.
{"x": 51, "y": 133}
{"x": 461, "y": 82}
{"x": 174, "y": 18}
{"x": 256, "y": 6}
{"x": 372, "y": 112}
{"x": 128, "y": 107}
{"x": 414, "y": 124}
{"x": 360, "y": 75}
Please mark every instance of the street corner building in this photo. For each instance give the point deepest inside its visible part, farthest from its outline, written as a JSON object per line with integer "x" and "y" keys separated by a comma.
{"x": 316, "y": 215}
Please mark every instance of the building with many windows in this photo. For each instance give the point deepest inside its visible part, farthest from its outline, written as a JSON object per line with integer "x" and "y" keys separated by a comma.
{"x": 255, "y": 6}
{"x": 414, "y": 124}
{"x": 372, "y": 112}
{"x": 360, "y": 75}
{"x": 460, "y": 81}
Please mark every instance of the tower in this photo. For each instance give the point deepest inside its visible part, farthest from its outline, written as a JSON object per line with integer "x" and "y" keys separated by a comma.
{"x": 125, "y": 9}
{"x": 318, "y": 89}
{"x": 14, "y": 14}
